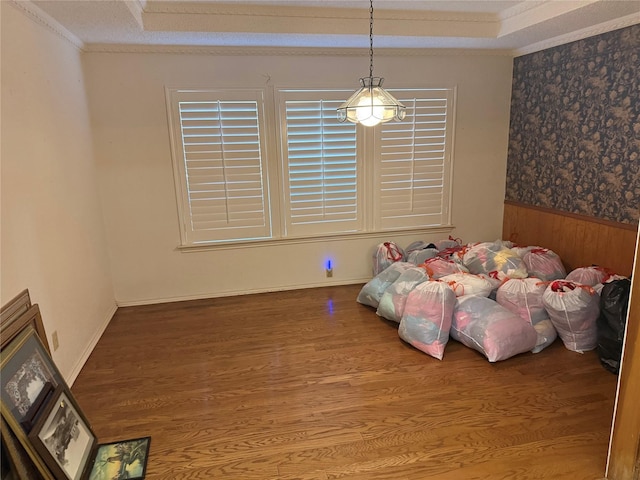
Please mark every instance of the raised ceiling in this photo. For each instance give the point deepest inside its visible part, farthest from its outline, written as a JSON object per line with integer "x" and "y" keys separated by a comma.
{"x": 509, "y": 27}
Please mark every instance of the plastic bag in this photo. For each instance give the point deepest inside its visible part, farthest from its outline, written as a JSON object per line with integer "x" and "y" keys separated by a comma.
{"x": 495, "y": 279}
{"x": 385, "y": 254}
{"x": 491, "y": 329}
{"x": 418, "y": 257}
{"x": 573, "y": 309}
{"x": 523, "y": 296}
{"x": 418, "y": 245}
{"x": 494, "y": 256}
{"x": 427, "y": 316}
{"x": 395, "y": 296}
{"x": 591, "y": 276}
{"x": 468, "y": 284}
{"x": 372, "y": 291}
{"x": 611, "y": 323}
{"x": 544, "y": 264}
{"x": 521, "y": 251}
{"x": 439, "y": 267}
{"x": 448, "y": 243}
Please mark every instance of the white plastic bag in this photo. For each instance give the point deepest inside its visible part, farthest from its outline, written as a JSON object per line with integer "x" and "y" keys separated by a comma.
{"x": 523, "y": 296}
{"x": 448, "y": 243}
{"x": 484, "y": 325}
{"x": 544, "y": 264}
{"x": 418, "y": 257}
{"x": 468, "y": 284}
{"x": 591, "y": 276}
{"x": 395, "y": 296}
{"x": 372, "y": 291}
{"x": 439, "y": 267}
{"x": 494, "y": 256}
{"x": 385, "y": 254}
{"x": 427, "y": 317}
{"x": 573, "y": 309}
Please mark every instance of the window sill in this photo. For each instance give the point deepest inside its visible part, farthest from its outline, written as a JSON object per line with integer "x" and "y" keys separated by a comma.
{"x": 388, "y": 234}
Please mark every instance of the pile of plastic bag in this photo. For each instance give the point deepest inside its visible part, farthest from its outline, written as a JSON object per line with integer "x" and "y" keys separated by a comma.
{"x": 495, "y": 297}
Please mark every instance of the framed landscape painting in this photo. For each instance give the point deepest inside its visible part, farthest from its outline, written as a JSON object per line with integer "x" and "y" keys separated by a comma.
{"x": 124, "y": 459}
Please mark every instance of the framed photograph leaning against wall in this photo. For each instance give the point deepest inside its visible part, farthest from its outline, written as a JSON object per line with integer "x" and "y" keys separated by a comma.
{"x": 12, "y": 325}
{"x": 63, "y": 436}
{"x": 26, "y": 374}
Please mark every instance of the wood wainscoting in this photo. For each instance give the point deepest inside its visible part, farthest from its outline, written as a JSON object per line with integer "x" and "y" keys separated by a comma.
{"x": 579, "y": 240}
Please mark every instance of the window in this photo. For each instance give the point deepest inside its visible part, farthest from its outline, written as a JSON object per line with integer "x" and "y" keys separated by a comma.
{"x": 320, "y": 168}
{"x": 331, "y": 178}
{"x": 219, "y": 162}
{"x": 413, "y": 167}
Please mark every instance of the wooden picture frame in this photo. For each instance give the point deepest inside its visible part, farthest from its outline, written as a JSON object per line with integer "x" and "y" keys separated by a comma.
{"x": 124, "y": 459}
{"x": 25, "y": 371}
{"x": 63, "y": 436}
{"x": 15, "y": 307}
{"x": 12, "y": 325}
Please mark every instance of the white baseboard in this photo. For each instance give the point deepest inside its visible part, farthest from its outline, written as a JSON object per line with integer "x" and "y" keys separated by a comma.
{"x": 92, "y": 344}
{"x": 231, "y": 293}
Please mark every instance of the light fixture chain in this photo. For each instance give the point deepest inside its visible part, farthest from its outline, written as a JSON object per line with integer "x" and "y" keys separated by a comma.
{"x": 371, "y": 38}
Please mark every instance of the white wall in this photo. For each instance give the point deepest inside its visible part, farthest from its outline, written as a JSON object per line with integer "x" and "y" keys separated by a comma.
{"x": 52, "y": 235}
{"x": 127, "y": 103}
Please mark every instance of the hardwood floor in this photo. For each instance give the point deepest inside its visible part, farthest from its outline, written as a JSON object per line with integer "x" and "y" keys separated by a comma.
{"x": 311, "y": 385}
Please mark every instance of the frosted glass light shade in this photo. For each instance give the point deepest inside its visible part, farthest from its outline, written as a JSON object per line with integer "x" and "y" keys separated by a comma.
{"x": 371, "y": 105}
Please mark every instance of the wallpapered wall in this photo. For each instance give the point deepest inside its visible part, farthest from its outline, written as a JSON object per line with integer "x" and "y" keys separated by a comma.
{"x": 574, "y": 139}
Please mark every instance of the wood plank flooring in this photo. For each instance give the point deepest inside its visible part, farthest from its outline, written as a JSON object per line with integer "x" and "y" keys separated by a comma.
{"x": 311, "y": 385}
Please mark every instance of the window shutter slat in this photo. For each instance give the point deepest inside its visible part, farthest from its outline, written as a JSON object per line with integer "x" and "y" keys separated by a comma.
{"x": 219, "y": 151}
{"x": 320, "y": 164}
{"x": 413, "y": 174}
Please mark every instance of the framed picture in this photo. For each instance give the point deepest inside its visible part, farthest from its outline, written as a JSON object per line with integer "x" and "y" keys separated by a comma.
{"x": 27, "y": 376}
{"x": 126, "y": 459}
{"x": 25, "y": 370}
{"x": 16, "y": 314}
{"x": 15, "y": 307}
{"x": 62, "y": 436}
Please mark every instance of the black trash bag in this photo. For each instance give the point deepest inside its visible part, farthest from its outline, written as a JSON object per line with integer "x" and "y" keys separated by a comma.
{"x": 614, "y": 302}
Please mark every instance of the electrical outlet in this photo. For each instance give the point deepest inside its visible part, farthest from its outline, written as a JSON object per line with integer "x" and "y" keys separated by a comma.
{"x": 329, "y": 272}
{"x": 54, "y": 340}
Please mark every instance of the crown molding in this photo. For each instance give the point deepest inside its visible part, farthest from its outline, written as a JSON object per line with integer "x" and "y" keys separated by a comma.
{"x": 599, "y": 29}
{"x": 520, "y": 9}
{"x": 42, "y": 18}
{"x": 226, "y": 9}
{"x": 289, "y": 51}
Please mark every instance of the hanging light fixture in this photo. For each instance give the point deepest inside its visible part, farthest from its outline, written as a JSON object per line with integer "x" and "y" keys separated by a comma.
{"x": 372, "y": 104}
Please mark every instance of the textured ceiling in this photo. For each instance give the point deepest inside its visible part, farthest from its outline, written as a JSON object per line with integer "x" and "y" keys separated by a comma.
{"x": 511, "y": 26}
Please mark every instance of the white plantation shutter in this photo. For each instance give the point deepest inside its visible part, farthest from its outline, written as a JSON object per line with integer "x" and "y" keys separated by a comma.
{"x": 320, "y": 165}
{"x": 219, "y": 156}
{"x": 413, "y": 173}
{"x": 334, "y": 178}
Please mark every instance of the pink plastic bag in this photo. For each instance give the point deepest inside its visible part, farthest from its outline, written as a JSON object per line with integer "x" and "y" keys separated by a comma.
{"x": 589, "y": 275}
{"x": 426, "y": 319}
{"x": 484, "y": 325}
{"x": 544, "y": 264}
{"x": 439, "y": 267}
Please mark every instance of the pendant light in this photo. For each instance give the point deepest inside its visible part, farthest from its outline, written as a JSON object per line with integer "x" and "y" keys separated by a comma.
{"x": 372, "y": 104}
